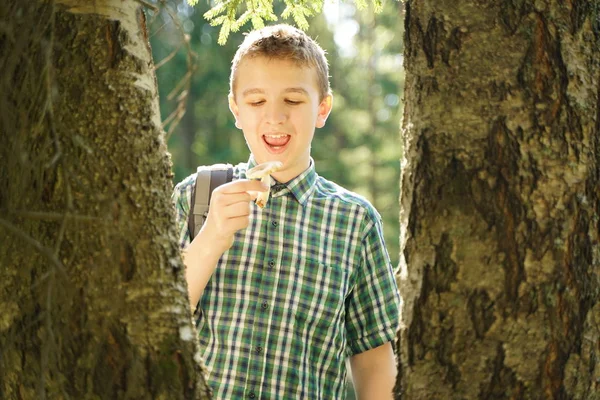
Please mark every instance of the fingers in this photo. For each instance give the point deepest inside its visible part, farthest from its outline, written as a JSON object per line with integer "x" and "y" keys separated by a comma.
{"x": 243, "y": 185}
{"x": 237, "y": 191}
{"x": 227, "y": 199}
{"x": 253, "y": 195}
{"x": 232, "y": 219}
{"x": 230, "y": 206}
{"x": 239, "y": 223}
{"x": 236, "y": 210}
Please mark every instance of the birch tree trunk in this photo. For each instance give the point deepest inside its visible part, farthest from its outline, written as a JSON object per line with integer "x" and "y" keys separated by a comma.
{"x": 92, "y": 294}
{"x": 500, "y": 267}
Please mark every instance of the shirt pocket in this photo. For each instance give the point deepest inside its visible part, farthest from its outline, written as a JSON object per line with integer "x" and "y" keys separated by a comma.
{"x": 318, "y": 301}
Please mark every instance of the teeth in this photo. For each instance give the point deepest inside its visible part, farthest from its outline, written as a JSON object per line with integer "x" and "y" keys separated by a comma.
{"x": 275, "y": 136}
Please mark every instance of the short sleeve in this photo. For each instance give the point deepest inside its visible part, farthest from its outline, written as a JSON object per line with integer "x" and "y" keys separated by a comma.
{"x": 181, "y": 199}
{"x": 373, "y": 307}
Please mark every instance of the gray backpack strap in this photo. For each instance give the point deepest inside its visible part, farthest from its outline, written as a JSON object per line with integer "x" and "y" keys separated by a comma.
{"x": 207, "y": 180}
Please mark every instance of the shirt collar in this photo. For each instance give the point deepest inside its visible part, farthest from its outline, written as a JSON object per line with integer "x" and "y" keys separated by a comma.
{"x": 301, "y": 186}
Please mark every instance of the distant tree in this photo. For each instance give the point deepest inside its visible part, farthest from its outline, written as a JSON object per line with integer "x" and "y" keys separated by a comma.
{"x": 205, "y": 133}
{"x": 501, "y": 201}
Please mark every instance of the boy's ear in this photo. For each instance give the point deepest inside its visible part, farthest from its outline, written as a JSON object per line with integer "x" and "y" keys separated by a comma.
{"x": 324, "y": 110}
{"x": 234, "y": 110}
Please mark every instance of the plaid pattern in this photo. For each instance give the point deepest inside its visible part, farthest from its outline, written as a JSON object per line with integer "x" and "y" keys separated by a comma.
{"x": 307, "y": 284}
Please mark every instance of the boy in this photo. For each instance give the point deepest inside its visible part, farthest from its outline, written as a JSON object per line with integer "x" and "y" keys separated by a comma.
{"x": 286, "y": 293}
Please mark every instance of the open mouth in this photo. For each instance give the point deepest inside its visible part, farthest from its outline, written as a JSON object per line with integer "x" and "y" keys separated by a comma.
{"x": 276, "y": 143}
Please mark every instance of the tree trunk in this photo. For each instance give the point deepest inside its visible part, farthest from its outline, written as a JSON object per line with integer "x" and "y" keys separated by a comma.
{"x": 500, "y": 267}
{"x": 93, "y": 297}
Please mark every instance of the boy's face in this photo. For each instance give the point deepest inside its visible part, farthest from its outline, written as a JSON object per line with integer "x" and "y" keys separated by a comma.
{"x": 277, "y": 107}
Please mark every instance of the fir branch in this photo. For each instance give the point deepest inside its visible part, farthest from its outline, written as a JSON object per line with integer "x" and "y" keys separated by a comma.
{"x": 224, "y": 32}
{"x": 224, "y": 13}
{"x": 361, "y": 4}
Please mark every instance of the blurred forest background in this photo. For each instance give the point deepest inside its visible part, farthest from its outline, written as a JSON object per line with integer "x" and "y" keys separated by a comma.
{"x": 359, "y": 147}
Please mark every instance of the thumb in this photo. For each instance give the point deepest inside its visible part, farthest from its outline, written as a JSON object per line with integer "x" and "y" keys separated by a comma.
{"x": 253, "y": 194}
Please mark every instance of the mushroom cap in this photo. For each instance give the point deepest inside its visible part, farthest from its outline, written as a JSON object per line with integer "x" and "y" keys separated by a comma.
{"x": 264, "y": 169}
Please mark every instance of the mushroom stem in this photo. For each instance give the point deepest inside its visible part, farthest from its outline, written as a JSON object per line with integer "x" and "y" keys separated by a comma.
{"x": 263, "y": 172}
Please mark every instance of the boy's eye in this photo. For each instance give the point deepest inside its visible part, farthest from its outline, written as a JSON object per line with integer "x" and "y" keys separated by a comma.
{"x": 256, "y": 103}
{"x": 293, "y": 102}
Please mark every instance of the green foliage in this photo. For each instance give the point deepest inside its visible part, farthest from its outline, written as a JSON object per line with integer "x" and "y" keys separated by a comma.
{"x": 300, "y": 10}
{"x": 224, "y": 13}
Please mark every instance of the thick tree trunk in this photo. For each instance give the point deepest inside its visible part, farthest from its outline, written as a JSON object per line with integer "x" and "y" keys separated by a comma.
{"x": 501, "y": 201}
{"x": 92, "y": 295}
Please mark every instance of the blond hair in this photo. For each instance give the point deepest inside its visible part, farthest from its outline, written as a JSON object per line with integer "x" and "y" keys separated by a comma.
{"x": 283, "y": 42}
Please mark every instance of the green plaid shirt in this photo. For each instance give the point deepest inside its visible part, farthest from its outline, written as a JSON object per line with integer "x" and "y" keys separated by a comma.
{"x": 306, "y": 285}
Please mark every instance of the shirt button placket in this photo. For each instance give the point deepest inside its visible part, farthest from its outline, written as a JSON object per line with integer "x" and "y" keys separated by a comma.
{"x": 259, "y": 338}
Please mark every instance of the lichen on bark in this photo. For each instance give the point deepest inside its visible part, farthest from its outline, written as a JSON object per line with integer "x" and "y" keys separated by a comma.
{"x": 500, "y": 200}
{"x": 87, "y": 229}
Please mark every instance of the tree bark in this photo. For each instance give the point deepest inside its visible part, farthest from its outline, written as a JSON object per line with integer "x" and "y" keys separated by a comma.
{"x": 500, "y": 201}
{"x": 93, "y": 297}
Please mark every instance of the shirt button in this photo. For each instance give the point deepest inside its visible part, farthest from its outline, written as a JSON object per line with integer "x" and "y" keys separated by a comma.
{"x": 274, "y": 223}
{"x": 259, "y": 349}
{"x": 251, "y": 395}
{"x": 271, "y": 263}
{"x": 264, "y": 305}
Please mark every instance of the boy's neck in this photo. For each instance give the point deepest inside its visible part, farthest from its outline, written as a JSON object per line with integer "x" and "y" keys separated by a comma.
{"x": 285, "y": 178}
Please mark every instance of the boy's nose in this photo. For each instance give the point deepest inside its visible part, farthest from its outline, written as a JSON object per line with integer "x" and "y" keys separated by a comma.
{"x": 276, "y": 114}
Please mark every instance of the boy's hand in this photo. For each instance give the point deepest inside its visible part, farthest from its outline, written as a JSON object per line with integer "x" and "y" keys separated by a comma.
{"x": 229, "y": 212}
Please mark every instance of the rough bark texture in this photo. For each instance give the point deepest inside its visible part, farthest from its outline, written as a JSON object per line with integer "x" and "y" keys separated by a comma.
{"x": 92, "y": 295}
{"x": 500, "y": 267}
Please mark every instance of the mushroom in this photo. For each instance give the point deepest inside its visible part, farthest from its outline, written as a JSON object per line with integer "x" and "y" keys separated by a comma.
{"x": 263, "y": 172}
